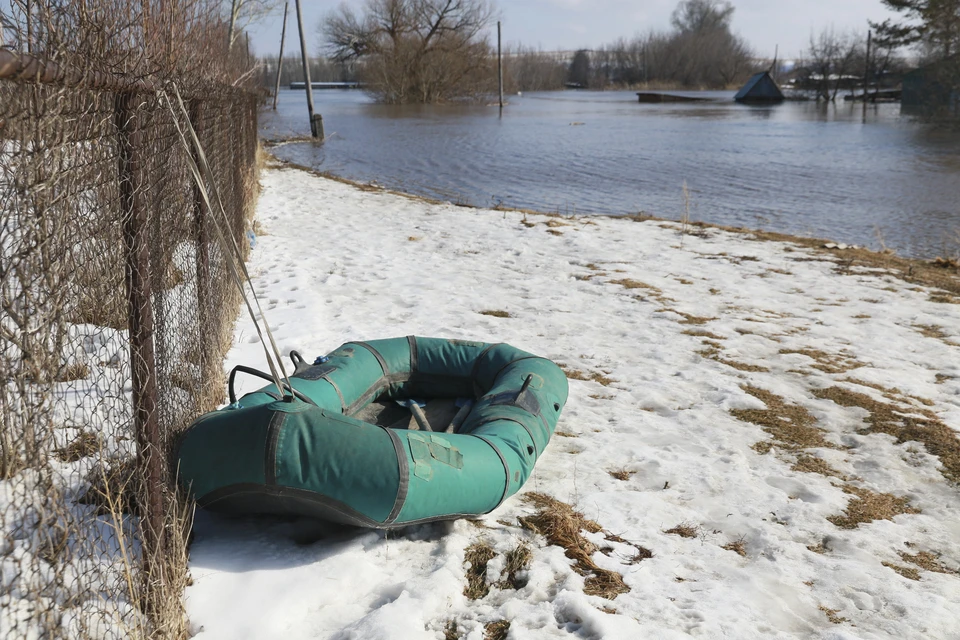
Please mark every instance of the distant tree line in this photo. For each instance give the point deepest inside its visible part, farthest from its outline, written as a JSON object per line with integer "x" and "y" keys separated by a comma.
{"x": 322, "y": 69}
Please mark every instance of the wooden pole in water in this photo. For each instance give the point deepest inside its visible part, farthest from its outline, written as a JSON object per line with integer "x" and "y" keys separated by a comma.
{"x": 316, "y": 122}
{"x": 283, "y": 36}
{"x": 500, "y": 62}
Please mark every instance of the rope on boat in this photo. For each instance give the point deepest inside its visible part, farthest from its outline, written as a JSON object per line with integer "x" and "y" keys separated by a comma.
{"x": 200, "y": 168}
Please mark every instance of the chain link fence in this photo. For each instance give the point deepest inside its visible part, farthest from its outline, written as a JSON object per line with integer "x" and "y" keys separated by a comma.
{"x": 116, "y": 310}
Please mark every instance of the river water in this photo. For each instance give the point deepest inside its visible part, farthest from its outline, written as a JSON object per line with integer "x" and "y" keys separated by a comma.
{"x": 800, "y": 168}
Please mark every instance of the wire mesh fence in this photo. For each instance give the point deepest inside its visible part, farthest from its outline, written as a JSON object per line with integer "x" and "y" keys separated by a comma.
{"x": 116, "y": 310}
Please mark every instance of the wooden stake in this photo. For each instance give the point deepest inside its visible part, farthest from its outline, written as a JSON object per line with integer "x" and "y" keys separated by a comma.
{"x": 283, "y": 36}
{"x": 315, "y": 130}
{"x": 866, "y": 71}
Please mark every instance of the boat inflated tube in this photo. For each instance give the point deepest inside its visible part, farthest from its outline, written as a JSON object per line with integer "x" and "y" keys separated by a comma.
{"x": 309, "y": 456}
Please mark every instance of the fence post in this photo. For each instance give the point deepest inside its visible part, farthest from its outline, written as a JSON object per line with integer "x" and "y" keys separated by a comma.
{"x": 134, "y": 208}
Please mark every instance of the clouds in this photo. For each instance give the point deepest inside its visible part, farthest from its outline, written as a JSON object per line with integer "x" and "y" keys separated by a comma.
{"x": 572, "y": 24}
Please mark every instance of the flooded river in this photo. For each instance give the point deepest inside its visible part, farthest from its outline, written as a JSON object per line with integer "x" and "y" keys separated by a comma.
{"x": 801, "y": 168}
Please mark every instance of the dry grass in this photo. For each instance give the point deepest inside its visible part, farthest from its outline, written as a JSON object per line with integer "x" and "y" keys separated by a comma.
{"x": 832, "y": 615}
{"x": 932, "y": 331}
{"x": 113, "y": 487}
{"x": 807, "y": 463}
{"x": 576, "y": 374}
{"x": 86, "y": 444}
{"x": 414, "y": 238}
{"x": 554, "y": 232}
{"x": 642, "y": 554}
{"x": 826, "y": 362}
{"x": 496, "y": 630}
{"x": 907, "y": 572}
{"x": 867, "y": 506}
{"x": 713, "y": 353}
{"x": 790, "y": 425}
{"x": 516, "y": 561}
{"x": 622, "y": 474}
{"x": 692, "y": 319}
{"x": 685, "y": 530}
{"x": 629, "y": 283}
{"x": 928, "y": 562}
{"x": 451, "y": 631}
{"x": 906, "y": 424}
{"x": 561, "y": 525}
{"x": 820, "y": 547}
{"x": 478, "y": 555}
{"x": 738, "y": 546}
{"x": 565, "y": 434}
{"x": 944, "y": 298}
{"x": 701, "y": 333}
{"x": 496, "y": 313}
{"x": 74, "y": 371}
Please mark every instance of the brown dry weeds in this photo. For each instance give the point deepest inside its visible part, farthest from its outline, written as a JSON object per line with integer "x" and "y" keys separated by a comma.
{"x": 561, "y": 525}
{"x": 478, "y": 555}
{"x": 867, "y": 506}
{"x": 790, "y": 425}
{"x": 826, "y": 362}
{"x": 906, "y": 424}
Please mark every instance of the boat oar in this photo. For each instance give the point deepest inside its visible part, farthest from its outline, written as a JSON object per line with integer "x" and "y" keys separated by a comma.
{"x": 417, "y": 412}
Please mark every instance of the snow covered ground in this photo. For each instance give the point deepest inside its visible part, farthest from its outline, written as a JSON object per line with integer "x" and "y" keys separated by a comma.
{"x": 774, "y": 426}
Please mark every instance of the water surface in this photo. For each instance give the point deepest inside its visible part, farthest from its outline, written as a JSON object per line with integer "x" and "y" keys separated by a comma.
{"x": 821, "y": 170}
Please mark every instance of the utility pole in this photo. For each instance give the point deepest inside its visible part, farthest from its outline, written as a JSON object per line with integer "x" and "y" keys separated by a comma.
{"x": 316, "y": 122}
{"x": 283, "y": 36}
{"x": 500, "y": 62}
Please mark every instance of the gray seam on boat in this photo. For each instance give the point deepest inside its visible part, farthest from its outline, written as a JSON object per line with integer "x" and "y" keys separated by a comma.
{"x": 273, "y": 437}
{"x": 404, "y": 476}
{"x": 506, "y": 468}
{"x": 414, "y": 354}
{"x": 376, "y": 354}
{"x": 395, "y": 378}
{"x": 343, "y": 402}
{"x": 536, "y": 449}
{"x": 478, "y": 391}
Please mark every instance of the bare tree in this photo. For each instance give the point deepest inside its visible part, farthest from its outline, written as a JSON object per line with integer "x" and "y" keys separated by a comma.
{"x": 831, "y": 57}
{"x": 416, "y": 50}
{"x": 242, "y": 13}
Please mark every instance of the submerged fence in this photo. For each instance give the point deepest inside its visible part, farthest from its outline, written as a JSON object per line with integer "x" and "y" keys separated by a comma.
{"x": 116, "y": 310}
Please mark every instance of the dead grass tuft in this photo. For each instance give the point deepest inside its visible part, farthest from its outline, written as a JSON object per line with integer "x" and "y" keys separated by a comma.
{"x": 945, "y": 263}
{"x": 700, "y": 333}
{"x": 907, "y": 572}
{"x": 820, "y": 547}
{"x": 622, "y": 474}
{"x": 642, "y": 554}
{"x": 931, "y": 331}
{"x": 692, "y": 319}
{"x": 478, "y": 555}
{"x": 738, "y": 546}
{"x": 790, "y": 425}
{"x": 496, "y": 630}
{"x": 826, "y": 362}
{"x": 868, "y": 506}
{"x": 496, "y": 313}
{"x": 414, "y": 238}
{"x": 576, "y": 374}
{"x": 807, "y": 463}
{"x": 906, "y": 424}
{"x": 555, "y": 232}
{"x": 832, "y": 615}
{"x": 517, "y": 561}
{"x": 74, "y": 371}
{"x": 928, "y": 562}
{"x": 83, "y": 446}
{"x": 944, "y": 298}
{"x": 113, "y": 487}
{"x": 451, "y": 631}
{"x": 629, "y": 283}
{"x": 561, "y": 525}
{"x": 565, "y": 434}
{"x": 685, "y": 530}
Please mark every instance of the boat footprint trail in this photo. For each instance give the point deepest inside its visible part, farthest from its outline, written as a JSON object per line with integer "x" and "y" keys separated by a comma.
{"x": 760, "y": 432}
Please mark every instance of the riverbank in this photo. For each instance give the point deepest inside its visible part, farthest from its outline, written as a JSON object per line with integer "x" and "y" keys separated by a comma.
{"x": 760, "y": 437}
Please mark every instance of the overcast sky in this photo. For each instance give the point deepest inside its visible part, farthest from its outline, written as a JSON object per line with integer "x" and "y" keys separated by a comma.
{"x": 574, "y": 24}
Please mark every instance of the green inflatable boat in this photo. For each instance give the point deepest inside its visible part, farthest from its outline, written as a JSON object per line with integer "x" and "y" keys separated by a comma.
{"x": 381, "y": 434}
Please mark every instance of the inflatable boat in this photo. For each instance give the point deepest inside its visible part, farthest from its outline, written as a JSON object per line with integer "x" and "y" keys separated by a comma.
{"x": 379, "y": 434}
